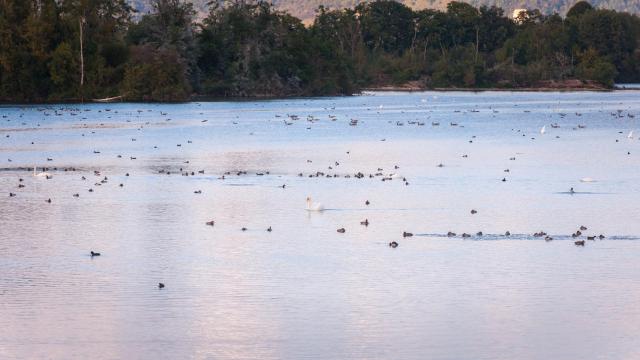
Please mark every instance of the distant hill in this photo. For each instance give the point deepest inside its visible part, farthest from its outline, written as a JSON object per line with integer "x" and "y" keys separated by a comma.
{"x": 305, "y": 9}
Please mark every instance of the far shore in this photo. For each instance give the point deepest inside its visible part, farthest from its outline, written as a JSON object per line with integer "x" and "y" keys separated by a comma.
{"x": 519, "y": 89}
{"x": 566, "y": 85}
{"x": 385, "y": 88}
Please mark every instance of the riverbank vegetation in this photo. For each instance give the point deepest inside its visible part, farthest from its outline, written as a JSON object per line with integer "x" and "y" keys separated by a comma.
{"x": 64, "y": 50}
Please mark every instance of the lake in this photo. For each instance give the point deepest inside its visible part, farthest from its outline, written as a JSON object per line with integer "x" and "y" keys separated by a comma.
{"x": 139, "y": 182}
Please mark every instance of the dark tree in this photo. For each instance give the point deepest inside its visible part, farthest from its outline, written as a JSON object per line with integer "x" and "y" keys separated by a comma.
{"x": 579, "y": 9}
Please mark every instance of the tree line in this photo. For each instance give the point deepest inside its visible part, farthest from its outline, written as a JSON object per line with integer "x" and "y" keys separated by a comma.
{"x": 66, "y": 50}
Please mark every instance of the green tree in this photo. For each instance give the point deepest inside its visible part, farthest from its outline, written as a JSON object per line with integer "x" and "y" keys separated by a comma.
{"x": 494, "y": 28}
{"x": 63, "y": 69}
{"x": 593, "y": 67}
{"x": 387, "y": 25}
{"x": 102, "y": 24}
{"x": 155, "y": 75}
{"x": 613, "y": 35}
{"x": 28, "y": 34}
{"x": 579, "y": 9}
{"x": 163, "y": 46}
{"x": 463, "y": 25}
{"x": 339, "y": 53}
{"x": 249, "y": 49}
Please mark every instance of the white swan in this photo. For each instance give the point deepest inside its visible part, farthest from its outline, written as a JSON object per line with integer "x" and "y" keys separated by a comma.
{"x": 630, "y": 136}
{"x": 313, "y": 206}
{"x": 41, "y": 174}
{"x": 543, "y": 130}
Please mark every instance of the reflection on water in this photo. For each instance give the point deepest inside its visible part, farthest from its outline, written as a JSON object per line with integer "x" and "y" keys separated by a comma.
{"x": 304, "y": 290}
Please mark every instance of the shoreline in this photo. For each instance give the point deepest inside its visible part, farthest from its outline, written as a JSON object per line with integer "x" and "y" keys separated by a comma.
{"x": 399, "y": 88}
{"x": 523, "y": 89}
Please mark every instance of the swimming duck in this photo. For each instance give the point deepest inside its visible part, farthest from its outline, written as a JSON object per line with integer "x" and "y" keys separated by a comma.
{"x": 160, "y": 285}
{"x": 473, "y": 212}
{"x": 341, "y": 230}
{"x": 210, "y": 223}
{"x": 579, "y": 243}
{"x": 94, "y": 254}
{"x": 365, "y": 222}
{"x": 407, "y": 234}
{"x": 393, "y": 244}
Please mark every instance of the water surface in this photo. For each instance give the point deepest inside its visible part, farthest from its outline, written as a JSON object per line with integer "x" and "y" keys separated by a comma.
{"x": 304, "y": 290}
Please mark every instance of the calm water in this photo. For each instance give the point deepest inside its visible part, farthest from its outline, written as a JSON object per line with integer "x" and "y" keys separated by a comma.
{"x": 304, "y": 290}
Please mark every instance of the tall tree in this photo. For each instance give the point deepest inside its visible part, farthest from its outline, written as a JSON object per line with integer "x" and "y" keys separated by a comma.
{"x": 28, "y": 33}
{"x": 387, "y": 25}
{"x": 98, "y": 26}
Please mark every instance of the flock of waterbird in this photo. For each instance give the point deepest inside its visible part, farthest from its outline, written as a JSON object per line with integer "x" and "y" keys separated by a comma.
{"x": 47, "y": 172}
{"x": 312, "y": 206}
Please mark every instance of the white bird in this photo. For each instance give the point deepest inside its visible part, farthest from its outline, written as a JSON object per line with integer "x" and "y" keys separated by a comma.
{"x": 587, "y": 180}
{"x": 543, "y": 130}
{"x": 40, "y": 174}
{"x": 311, "y": 206}
{"x": 630, "y": 136}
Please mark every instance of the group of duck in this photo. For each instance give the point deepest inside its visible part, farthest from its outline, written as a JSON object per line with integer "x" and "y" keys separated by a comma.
{"x": 311, "y": 206}
{"x": 380, "y": 173}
